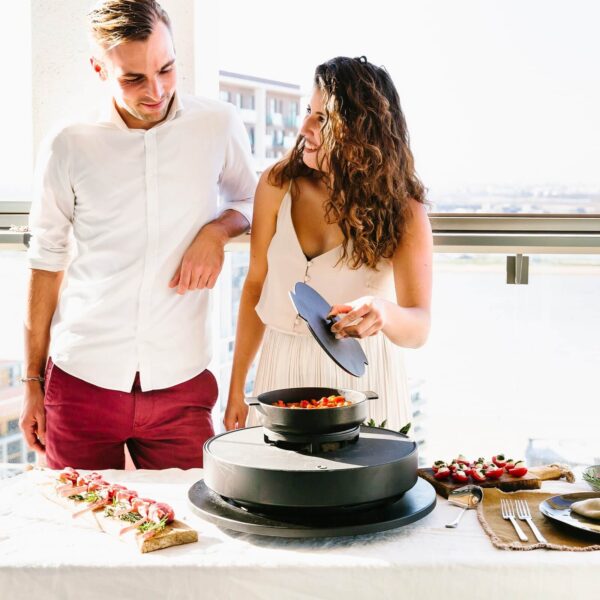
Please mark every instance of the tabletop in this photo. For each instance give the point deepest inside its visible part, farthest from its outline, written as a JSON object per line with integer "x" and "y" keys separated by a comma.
{"x": 43, "y": 552}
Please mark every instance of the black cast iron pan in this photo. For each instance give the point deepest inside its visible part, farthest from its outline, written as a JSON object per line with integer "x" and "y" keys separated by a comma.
{"x": 304, "y": 421}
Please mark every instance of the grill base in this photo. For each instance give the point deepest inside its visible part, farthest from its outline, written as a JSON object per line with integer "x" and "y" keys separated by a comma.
{"x": 414, "y": 504}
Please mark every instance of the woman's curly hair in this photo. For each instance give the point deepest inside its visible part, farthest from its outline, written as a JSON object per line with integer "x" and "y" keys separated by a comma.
{"x": 370, "y": 169}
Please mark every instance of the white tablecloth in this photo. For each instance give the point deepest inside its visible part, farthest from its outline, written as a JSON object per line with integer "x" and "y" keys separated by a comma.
{"x": 44, "y": 554}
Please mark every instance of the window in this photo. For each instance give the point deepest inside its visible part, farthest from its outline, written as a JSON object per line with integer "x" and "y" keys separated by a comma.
{"x": 250, "y": 130}
{"x": 16, "y": 154}
{"x": 13, "y": 274}
{"x": 13, "y": 450}
{"x": 278, "y": 137}
{"x": 248, "y": 101}
{"x": 499, "y": 101}
{"x": 511, "y": 368}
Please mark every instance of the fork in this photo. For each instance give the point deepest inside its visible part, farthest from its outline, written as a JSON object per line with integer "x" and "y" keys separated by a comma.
{"x": 508, "y": 513}
{"x": 524, "y": 514}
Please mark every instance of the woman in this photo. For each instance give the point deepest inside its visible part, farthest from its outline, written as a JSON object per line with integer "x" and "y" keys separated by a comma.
{"x": 343, "y": 212}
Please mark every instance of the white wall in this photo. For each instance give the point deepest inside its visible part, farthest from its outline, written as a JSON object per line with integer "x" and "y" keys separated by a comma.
{"x": 64, "y": 84}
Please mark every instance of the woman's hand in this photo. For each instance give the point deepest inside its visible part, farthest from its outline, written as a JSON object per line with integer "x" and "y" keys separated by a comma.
{"x": 362, "y": 318}
{"x": 236, "y": 412}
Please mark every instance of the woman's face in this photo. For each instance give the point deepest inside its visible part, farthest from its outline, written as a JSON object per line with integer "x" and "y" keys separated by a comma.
{"x": 311, "y": 130}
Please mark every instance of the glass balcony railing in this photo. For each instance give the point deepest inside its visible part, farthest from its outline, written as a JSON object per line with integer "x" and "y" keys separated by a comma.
{"x": 511, "y": 368}
{"x": 507, "y": 368}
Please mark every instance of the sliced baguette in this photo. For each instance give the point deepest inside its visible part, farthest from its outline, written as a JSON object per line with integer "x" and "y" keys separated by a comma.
{"x": 174, "y": 534}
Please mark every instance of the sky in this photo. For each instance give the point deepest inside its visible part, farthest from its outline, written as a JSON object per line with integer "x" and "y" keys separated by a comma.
{"x": 494, "y": 91}
{"x": 502, "y": 92}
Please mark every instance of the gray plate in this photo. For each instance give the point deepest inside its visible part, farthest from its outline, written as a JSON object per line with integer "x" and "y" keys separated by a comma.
{"x": 558, "y": 508}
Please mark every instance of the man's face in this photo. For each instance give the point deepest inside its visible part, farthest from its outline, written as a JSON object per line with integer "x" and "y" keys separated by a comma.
{"x": 142, "y": 77}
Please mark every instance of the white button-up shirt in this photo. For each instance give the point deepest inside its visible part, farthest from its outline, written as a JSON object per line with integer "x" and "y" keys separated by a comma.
{"x": 117, "y": 208}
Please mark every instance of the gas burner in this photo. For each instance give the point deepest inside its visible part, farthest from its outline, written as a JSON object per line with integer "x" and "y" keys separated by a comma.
{"x": 312, "y": 444}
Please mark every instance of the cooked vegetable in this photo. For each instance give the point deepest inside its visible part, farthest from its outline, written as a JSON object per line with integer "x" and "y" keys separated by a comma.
{"x": 329, "y": 402}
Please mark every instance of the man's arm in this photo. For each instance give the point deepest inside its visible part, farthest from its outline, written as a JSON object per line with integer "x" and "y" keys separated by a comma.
{"x": 50, "y": 222}
{"x": 42, "y": 297}
{"x": 203, "y": 260}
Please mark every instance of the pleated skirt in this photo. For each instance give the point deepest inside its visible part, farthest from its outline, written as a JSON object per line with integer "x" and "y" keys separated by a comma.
{"x": 290, "y": 360}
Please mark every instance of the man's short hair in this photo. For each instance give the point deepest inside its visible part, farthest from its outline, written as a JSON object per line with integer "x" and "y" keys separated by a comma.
{"x": 113, "y": 22}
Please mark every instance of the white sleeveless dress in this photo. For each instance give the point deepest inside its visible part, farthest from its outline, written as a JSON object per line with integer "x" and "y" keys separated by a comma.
{"x": 290, "y": 357}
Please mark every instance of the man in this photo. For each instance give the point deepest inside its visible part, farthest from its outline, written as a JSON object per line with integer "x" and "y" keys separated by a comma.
{"x": 126, "y": 208}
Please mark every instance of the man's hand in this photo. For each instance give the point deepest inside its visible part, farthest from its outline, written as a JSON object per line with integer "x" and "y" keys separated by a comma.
{"x": 202, "y": 261}
{"x": 33, "y": 417}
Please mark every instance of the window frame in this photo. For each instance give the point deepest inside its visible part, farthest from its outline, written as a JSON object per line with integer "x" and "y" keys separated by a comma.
{"x": 465, "y": 232}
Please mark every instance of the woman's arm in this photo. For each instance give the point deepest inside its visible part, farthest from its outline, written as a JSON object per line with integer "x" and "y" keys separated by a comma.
{"x": 407, "y": 322}
{"x": 250, "y": 329}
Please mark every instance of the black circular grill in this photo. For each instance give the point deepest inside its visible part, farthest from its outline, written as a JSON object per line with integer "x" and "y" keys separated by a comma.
{"x": 377, "y": 467}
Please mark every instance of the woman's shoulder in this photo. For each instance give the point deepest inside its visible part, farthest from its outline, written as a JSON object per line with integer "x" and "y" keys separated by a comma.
{"x": 418, "y": 215}
{"x": 417, "y": 227}
{"x": 271, "y": 185}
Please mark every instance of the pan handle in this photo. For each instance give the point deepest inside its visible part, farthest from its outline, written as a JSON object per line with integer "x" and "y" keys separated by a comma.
{"x": 252, "y": 401}
{"x": 371, "y": 395}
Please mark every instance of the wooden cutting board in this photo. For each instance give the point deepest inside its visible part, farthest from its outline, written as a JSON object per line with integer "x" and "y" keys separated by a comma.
{"x": 506, "y": 483}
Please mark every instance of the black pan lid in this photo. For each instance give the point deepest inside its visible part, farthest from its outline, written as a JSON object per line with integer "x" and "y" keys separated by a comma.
{"x": 314, "y": 309}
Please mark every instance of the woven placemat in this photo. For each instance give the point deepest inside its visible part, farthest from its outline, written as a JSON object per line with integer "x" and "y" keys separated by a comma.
{"x": 503, "y": 535}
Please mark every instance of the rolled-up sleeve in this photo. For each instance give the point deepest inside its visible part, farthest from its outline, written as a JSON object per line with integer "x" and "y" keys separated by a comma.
{"x": 238, "y": 177}
{"x": 51, "y": 215}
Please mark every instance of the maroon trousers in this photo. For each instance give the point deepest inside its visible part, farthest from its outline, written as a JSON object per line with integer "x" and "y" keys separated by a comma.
{"x": 87, "y": 427}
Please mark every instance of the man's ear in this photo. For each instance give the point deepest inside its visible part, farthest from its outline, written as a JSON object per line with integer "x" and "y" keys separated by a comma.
{"x": 98, "y": 68}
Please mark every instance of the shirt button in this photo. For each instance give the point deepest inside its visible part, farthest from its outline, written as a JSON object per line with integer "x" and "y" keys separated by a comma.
{"x": 307, "y": 278}
{"x": 309, "y": 263}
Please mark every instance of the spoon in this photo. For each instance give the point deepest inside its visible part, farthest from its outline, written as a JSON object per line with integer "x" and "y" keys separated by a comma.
{"x": 466, "y": 497}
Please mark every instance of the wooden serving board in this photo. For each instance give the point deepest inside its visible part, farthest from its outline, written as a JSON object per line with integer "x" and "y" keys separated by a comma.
{"x": 506, "y": 483}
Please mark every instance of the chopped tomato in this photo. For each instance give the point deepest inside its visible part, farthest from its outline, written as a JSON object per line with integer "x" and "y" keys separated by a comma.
{"x": 330, "y": 402}
{"x": 459, "y": 476}
{"x": 499, "y": 460}
{"x": 477, "y": 475}
{"x": 442, "y": 473}
{"x": 494, "y": 472}
{"x": 518, "y": 471}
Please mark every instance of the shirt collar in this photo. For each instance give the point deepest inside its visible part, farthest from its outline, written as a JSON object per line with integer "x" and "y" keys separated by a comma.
{"x": 111, "y": 114}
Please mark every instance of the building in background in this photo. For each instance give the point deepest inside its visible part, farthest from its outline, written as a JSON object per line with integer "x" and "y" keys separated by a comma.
{"x": 12, "y": 446}
{"x": 270, "y": 111}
